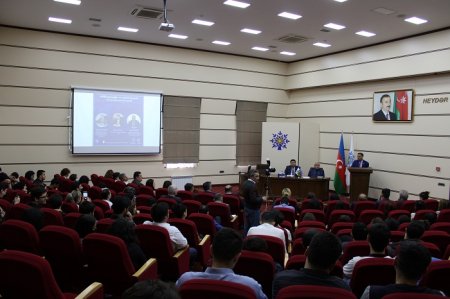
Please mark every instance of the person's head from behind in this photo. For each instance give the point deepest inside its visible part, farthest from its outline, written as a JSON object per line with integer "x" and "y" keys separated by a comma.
{"x": 105, "y": 194}
{"x": 85, "y": 225}
{"x": 378, "y": 237}
{"x": 137, "y": 176}
{"x": 34, "y": 216}
{"x": 123, "y": 177}
{"x": 65, "y": 172}
{"x": 359, "y": 231}
{"x": 226, "y": 248}
{"x": 83, "y": 179}
{"x": 430, "y": 218}
{"x": 73, "y": 177}
{"x": 166, "y": 184}
{"x": 115, "y": 175}
{"x": 424, "y": 195}
{"x": 420, "y": 205}
{"x": 253, "y": 175}
{"x": 150, "y": 183}
{"x": 403, "y": 195}
{"x": 415, "y": 230}
{"x": 392, "y": 223}
{"x": 411, "y": 262}
{"x": 55, "y": 201}
{"x": 311, "y": 196}
{"x": 344, "y": 218}
{"x": 203, "y": 209}
{"x": 269, "y": 217}
{"x": 123, "y": 229}
{"x": 323, "y": 252}
{"x": 151, "y": 289}
{"x": 334, "y": 196}
{"x": 172, "y": 190}
{"x": 160, "y": 212}
{"x": 207, "y": 186}
{"x": 189, "y": 187}
{"x": 308, "y": 236}
{"x": 385, "y": 103}
{"x": 386, "y": 192}
{"x": 29, "y": 175}
{"x": 228, "y": 189}
{"x": 255, "y": 244}
{"x": 218, "y": 197}
{"x": 309, "y": 217}
{"x": 86, "y": 207}
{"x": 179, "y": 211}
{"x": 403, "y": 218}
{"x": 121, "y": 205}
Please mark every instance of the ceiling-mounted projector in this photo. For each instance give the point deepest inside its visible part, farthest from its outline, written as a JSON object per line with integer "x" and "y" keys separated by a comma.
{"x": 166, "y": 27}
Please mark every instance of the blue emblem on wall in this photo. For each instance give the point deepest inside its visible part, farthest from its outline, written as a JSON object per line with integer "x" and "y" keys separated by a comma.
{"x": 279, "y": 140}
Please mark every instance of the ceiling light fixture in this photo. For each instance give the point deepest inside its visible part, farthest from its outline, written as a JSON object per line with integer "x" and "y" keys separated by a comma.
{"x": 334, "y": 26}
{"x": 59, "y": 20}
{"x": 222, "y": 43}
{"x": 251, "y": 31}
{"x": 365, "y": 33}
{"x": 127, "y": 29}
{"x": 323, "y": 45}
{"x": 237, "y": 3}
{"x": 74, "y": 2}
{"x": 260, "y": 49}
{"x": 289, "y": 15}
{"x": 340, "y": 0}
{"x": 287, "y": 53}
{"x": 416, "y": 20}
{"x": 179, "y": 36}
{"x": 202, "y": 22}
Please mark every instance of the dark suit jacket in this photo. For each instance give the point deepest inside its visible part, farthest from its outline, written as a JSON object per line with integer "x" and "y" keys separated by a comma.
{"x": 313, "y": 172}
{"x": 365, "y": 164}
{"x": 287, "y": 171}
{"x": 252, "y": 200}
{"x": 380, "y": 116}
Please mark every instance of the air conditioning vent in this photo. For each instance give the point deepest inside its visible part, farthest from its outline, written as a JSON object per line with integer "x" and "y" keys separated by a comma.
{"x": 147, "y": 13}
{"x": 292, "y": 39}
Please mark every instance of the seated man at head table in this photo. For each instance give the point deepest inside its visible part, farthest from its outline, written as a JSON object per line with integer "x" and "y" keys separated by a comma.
{"x": 293, "y": 169}
{"x": 316, "y": 171}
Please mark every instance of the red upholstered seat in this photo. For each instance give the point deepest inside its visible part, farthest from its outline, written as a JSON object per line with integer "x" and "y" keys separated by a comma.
{"x": 307, "y": 204}
{"x": 101, "y": 204}
{"x": 334, "y": 216}
{"x": 297, "y": 247}
{"x": 354, "y": 248}
{"x": 433, "y": 249}
{"x": 437, "y": 276}
{"x": 95, "y": 179}
{"x": 337, "y": 226}
{"x": 440, "y": 238}
{"x": 431, "y": 204}
{"x": 205, "y": 197}
{"x": 144, "y": 200}
{"x": 52, "y": 217}
{"x": 146, "y": 190}
{"x": 289, "y": 215}
{"x": 409, "y": 205}
{"x": 444, "y": 216}
{"x": 160, "y": 191}
{"x": 156, "y": 243}
{"x": 397, "y": 213}
{"x": 366, "y": 216}
{"x": 95, "y": 192}
{"x": 118, "y": 186}
{"x": 109, "y": 263}
{"x": 359, "y": 206}
{"x": 5, "y": 205}
{"x": 25, "y": 275}
{"x": 192, "y": 206}
{"x": 222, "y": 210}
{"x": 185, "y": 194}
{"x": 443, "y": 226}
{"x": 19, "y": 235}
{"x": 104, "y": 224}
{"x": 16, "y": 211}
{"x": 298, "y": 233}
{"x": 258, "y": 265}
{"x": 141, "y": 218}
{"x": 372, "y": 271}
{"x": 71, "y": 219}
{"x": 311, "y": 224}
{"x": 217, "y": 289}
{"x": 397, "y": 236}
{"x": 292, "y": 202}
{"x": 204, "y": 223}
{"x": 169, "y": 201}
{"x": 320, "y": 215}
{"x": 331, "y": 206}
{"x": 420, "y": 215}
{"x": 69, "y": 207}
{"x": 314, "y": 292}
{"x": 275, "y": 246}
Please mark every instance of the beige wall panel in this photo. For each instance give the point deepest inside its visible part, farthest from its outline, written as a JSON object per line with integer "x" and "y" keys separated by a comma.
{"x": 217, "y": 137}
{"x": 34, "y": 135}
{"x": 34, "y": 97}
{"x": 34, "y": 116}
{"x": 102, "y": 46}
{"x": 225, "y": 122}
{"x": 214, "y": 106}
{"x": 421, "y": 107}
{"x": 59, "y": 79}
{"x": 278, "y": 119}
{"x": 217, "y": 179}
{"x": 133, "y": 67}
{"x": 277, "y": 110}
{"x": 356, "y": 107}
{"x": 217, "y": 152}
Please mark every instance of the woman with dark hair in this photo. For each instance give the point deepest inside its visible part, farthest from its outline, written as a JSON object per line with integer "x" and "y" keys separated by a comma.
{"x": 424, "y": 195}
{"x": 73, "y": 177}
{"x": 83, "y": 179}
{"x": 29, "y": 175}
{"x": 166, "y": 184}
{"x": 109, "y": 174}
{"x": 125, "y": 230}
{"x": 150, "y": 183}
{"x": 65, "y": 172}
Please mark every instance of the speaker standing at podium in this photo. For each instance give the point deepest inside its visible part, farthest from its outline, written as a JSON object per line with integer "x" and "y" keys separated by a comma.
{"x": 360, "y": 162}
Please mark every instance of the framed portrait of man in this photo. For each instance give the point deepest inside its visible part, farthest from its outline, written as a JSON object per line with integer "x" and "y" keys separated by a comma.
{"x": 395, "y": 105}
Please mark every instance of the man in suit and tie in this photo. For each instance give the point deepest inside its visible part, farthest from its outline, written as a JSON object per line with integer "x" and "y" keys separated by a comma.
{"x": 360, "y": 162}
{"x": 316, "y": 171}
{"x": 292, "y": 168}
{"x": 385, "y": 106}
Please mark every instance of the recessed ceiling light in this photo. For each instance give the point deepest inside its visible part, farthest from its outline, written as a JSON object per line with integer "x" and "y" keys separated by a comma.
{"x": 289, "y": 15}
{"x": 334, "y": 26}
{"x": 287, "y": 53}
{"x": 260, "y": 49}
{"x": 340, "y": 0}
{"x": 179, "y": 36}
{"x": 237, "y": 3}
{"x": 201, "y": 22}
{"x": 127, "y": 29}
{"x": 59, "y": 20}
{"x": 323, "y": 45}
{"x": 383, "y": 11}
{"x": 222, "y": 43}
{"x": 74, "y": 2}
{"x": 251, "y": 31}
{"x": 416, "y": 20}
{"x": 365, "y": 33}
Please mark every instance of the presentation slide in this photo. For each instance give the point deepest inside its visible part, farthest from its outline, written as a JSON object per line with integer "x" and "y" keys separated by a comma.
{"x": 115, "y": 122}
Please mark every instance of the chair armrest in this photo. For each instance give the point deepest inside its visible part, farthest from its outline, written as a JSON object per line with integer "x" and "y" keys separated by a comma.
{"x": 149, "y": 270}
{"x": 204, "y": 240}
{"x": 93, "y": 291}
{"x": 204, "y": 250}
{"x": 233, "y": 218}
{"x": 179, "y": 253}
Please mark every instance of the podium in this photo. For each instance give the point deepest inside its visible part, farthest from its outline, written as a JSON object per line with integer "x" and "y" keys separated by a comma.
{"x": 359, "y": 181}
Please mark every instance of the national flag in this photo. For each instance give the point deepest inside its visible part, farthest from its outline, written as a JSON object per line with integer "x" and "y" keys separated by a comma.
{"x": 339, "y": 176}
{"x": 351, "y": 158}
{"x": 401, "y": 105}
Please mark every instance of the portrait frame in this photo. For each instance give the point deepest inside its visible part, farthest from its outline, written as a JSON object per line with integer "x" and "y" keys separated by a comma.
{"x": 400, "y": 106}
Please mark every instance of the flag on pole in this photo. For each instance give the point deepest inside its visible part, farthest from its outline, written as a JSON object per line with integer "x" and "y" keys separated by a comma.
{"x": 401, "y": 106}
{"x": 339, "y": 176}
{"x": 351, "y": 158}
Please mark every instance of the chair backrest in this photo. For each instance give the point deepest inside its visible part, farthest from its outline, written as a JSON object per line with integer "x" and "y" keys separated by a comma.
{"x": 433, "y": 249}
{"x": 402, "y": 227}
{"x": 258, "y": 265}
{"x": 337, "y": 226}
{"x": 104, "y": 224}
{"x": 444, "y": 216}
{"x": 440, "y": 238}
{"x": 297, "y": 247}
{"x": 431, "y": 204}
{"x": 311, "y": 204}
{"x": 71, "y": 219}
{"x": 204, "y": 223}
{"x": 192, "y": 206}
{"x": 366, "y": 216}
{"x": 25, "y": 275}
{"x": 397, "y": 213}
{"x": 233, "y": 201}
{"x": 443, "y": 226}
{"x": 319, "y": 214}
{"x": 314, "y": 292}
{"x": 160, "y": 191}
{"x": 372, "y": 271}
{"x": 141, "y": 218}
{"x": 95, "y": 179}
{"x": 420, "y": 215}
{"x": 19, "y": 235}
{"x": 95, "y": 192}
{"x": 334, "y": 216}
{"x": 275, "y": 248}
{"x": 205, "y": 197}
{"x": 355, "y": 248}
{"x": 154, "y": 241}
{"x": 118, "y": 186}
{"x": 146, "y": 190}
{"x": 169, "y": 201}
{"x": 183, "y": 194}
{"x": 409, "y": 205}
{"x": 397, "y": 235}
{"x": 61, "y": 247}
{"x": 98, "y": 213}
{"x": 222, "y": 210}
{"x": 102, "y": 204}
{"x": 289, "y": 215}
{"x": 298, "y": 233}
{"x": 52, "y": 217}
{"x": 359, "y": 206}
{"x": 217, "y": 289}
{"x": 108, "y": 262}
{"x": 16, "y": 211}
{"x": 5, "y": 205}
{"x": 188, "y": 230}
{"x": 311, "y": 224}
{"x": 144, "y": 199}
{"x": 69, "y": 207}
{"x": 436, "y": 276}
{"x": 296, "y": 262}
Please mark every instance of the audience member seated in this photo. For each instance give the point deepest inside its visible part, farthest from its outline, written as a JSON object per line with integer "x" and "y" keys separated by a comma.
{"x": 378, "y": 237}
{"x": 316, "y": 171}
{"x": 424, "y": 195}
{"x": 172, "y": 193}
{"x": 109, "y": 174}
{"x": 106, "y": 196}
{"x": 414, "y": 232}
{"x": 321, "y": 256}
{"x": 38, "y": 197}
{"x": 391, "y": 223}
{"x": 207, "y": 187}
{"x": 189, "y": 187}
{"x": 39, "y": 181}
{"x": 166, "y": 184}
{"x": 204, "y": 210}
{"x": 410, "y": 265}
{"x": 125, "y": 230}
{"x": 55, "y": 202}
{"x": 120, "y": 208}
{"x": 226, "y": 249}
{"x": 284, "y": 202}
{"x": 137, "y": 178}
{"x": 86, "y": 207}
{"x": 267, "y": 228}
{"x": 179, "y": 211}
{"x": 151, "y": 289}
{"x": 85, "y": 225}
{"x": 402, "y": 196}
{"x": 34, "y": 216}
{"x": 84, "y": 179}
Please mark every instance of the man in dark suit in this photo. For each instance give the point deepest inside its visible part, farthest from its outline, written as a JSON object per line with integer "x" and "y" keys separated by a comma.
{"x": 316, "y": 171}
{"x": 385, "y": 106}
{"x": 360, "y": 162}
{"x": 292, "y": 168}
{"x": 252, "y": 201}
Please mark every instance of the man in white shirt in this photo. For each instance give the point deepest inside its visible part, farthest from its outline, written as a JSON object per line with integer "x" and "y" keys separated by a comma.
{"x": 267, "y": 228}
